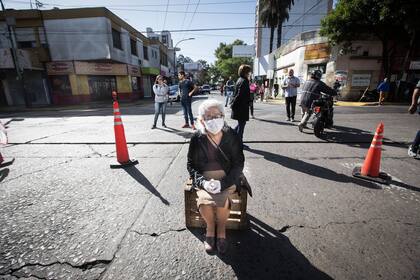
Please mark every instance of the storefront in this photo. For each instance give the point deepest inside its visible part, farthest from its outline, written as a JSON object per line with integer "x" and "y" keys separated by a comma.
{"x": 149, "y": 75}
{"x": 79, "y": 82}
{"x": 31, "y": 89}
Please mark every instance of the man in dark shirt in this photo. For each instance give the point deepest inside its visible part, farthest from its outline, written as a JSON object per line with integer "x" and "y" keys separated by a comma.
{"x": 414, "y": 149}
{"x": 311, "y": 91}
{"x": 186, "y": 88}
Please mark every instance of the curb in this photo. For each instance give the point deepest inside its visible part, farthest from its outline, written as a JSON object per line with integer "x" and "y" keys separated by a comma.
{"x": 8, "y": 110}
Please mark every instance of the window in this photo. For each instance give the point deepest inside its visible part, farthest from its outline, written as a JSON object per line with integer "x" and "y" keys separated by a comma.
{"x": 26, "y": 44}
{"x": 133, "y": 45}
{"x": 164, "y": 39}
{"x": 145, "y": 53}
{"x": 116, "y": 39}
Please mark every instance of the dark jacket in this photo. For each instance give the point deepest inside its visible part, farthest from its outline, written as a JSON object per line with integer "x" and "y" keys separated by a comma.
{"x": 311, "y": 91}
{"x": 240, "y": 100}
{"x": 197, "y": 158}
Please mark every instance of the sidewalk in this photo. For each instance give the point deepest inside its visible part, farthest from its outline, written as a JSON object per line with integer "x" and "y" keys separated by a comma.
{"x": 281, "y": 101}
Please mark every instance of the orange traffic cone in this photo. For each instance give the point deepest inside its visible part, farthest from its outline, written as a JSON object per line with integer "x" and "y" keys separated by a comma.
{"x": 120, "y": 142}
{"x": 372, "y": 163}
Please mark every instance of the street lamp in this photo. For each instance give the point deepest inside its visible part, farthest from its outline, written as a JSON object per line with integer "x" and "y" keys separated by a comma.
{"x": 179, "y": 49}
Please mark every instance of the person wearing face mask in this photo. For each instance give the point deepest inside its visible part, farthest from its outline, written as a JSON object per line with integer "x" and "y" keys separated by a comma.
{"x": 215, "y": 162}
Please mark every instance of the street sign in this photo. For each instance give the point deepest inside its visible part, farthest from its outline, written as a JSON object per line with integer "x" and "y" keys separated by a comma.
{"x": 243, "y": 51}
{"x": 360, "y": 80}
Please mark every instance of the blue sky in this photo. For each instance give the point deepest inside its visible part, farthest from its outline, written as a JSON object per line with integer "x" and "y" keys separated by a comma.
{"x": 225, "y": 15}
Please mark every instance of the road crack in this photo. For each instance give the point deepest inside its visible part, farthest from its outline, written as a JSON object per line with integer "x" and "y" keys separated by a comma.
{"x": 154, "y": 234}
{"x": 129, "y": 229}
{"x": 16, "y": 272}
{"x": 287, "y": 227}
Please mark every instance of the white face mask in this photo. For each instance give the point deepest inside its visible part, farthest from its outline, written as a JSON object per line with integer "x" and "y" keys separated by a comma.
{"x": 214, "y": 126}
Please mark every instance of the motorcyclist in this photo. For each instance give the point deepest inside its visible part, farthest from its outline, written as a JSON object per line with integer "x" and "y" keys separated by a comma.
{"x": 311, "y": 91}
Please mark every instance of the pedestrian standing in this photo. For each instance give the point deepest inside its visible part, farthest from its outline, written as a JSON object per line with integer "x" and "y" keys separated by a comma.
{"x": 253, "y": 89}
{"x": 290, "y": 85}
{"x": 240, "y": 100}
{"x": 187, "y": 89}
{"x": 230, "y": 85}
{"x": 160, "y": 90}
{"x": 261, "y": 91}
{"x": 413, "y": 150}
{"x": 383, "y": 89}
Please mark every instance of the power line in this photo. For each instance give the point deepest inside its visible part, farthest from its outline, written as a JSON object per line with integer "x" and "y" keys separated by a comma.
{"x": 185, "y": 15}
{"x": 166, "y": 14}
{"x": 77, "y": 32}
{"x": 141, "y": 5}
{"x": 192, "y": 17}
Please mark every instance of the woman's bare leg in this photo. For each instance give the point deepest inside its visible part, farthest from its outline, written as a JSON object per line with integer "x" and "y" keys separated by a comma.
{"x": 222, "y": 214}
{"x": 207, "y": 212}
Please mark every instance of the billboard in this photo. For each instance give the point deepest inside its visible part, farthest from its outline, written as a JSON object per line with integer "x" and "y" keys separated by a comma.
{"x": 243, "y": 51}
{"x": 194, "y": 66}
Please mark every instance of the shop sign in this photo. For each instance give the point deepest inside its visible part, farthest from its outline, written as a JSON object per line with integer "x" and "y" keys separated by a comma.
{"x": 341, "y": 76}
{"x": 133, "y": 70}
{"x": 415, "y": 65}
{"x": 360, "y": 80}
{"x": 90, "y": 68}
{"x": 60, "y": 68}
{"x": 317, "y": 51}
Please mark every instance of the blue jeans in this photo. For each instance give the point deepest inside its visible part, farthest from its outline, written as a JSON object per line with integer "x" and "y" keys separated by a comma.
{"x": 186, "y": 108}
{"x": 160, "y": 106}
{"x": 239, "y": 129}
{"x": 228, "y": 95}
{"x": 416, "y": 143}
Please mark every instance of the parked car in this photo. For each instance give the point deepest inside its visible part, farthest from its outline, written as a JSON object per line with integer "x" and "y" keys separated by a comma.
{"x": 205, "y": 89}
{"x": 174, "y": 93}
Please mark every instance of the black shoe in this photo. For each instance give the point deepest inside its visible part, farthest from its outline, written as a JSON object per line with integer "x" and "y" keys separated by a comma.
{"x": 154, "y": 126}
{"x": 164, "y": 125}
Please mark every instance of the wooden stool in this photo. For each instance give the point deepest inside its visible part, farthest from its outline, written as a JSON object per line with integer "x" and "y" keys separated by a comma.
{"x": 237, "y": 218}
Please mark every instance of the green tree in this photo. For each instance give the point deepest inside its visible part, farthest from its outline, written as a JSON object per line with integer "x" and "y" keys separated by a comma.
{"x": 393, "y": 22}
{"x": 226, "y": 64}
{"x": 272, "y": 14}
{"x": 181, "y": 59}
{"x": 203, "y": 75}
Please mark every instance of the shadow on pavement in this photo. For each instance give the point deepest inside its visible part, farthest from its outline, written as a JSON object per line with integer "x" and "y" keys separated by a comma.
{"x": 3, "y": 174}
{"x": 262, "y": 252}
{"x": 278, "y": 122}
{"x": 312, "y": 169}
{"x": 12, "y": 120}
{"x": 142, "y": 180}
{"x": 182, "y": 133}
{"x": 404, "y": 185}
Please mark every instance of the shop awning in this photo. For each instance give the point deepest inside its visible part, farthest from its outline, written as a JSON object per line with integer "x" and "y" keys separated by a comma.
{"x": 150, "y": 71}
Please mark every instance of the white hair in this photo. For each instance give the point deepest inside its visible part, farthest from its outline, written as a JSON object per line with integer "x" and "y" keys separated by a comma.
{"x": 203, "y": 108}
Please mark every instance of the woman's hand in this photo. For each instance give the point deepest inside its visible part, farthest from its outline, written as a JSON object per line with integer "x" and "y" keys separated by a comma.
{"x": 212, "y": 186}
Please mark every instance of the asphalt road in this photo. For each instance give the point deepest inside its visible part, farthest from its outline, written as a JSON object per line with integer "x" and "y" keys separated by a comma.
{"x": 64, "y": 214}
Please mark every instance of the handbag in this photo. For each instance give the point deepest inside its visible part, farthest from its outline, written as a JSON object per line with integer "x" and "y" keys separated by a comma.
{"x": 243, "y": 182}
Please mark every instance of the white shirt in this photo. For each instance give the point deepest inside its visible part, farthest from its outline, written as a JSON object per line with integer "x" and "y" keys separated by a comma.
{"x": 161, "y": 93}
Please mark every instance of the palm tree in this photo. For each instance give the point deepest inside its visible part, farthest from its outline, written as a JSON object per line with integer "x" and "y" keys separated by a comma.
{"x": 272, "y": 14}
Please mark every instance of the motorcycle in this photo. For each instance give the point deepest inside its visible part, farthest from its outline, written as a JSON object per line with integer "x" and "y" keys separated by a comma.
{"x": 323, "y": 113}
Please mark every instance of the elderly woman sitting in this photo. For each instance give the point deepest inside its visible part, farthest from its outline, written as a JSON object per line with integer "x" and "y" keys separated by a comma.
{"x": 215, "y": 163}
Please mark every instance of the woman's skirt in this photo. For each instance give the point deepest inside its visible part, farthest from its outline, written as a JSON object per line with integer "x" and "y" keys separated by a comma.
{"x": 218, "y": 199}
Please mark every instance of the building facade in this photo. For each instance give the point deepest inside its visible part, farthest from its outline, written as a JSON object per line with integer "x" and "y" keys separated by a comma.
{"x": 86, "y": 54}
{"x": 357, "y": 69}
{"x": 304, "y": 15}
